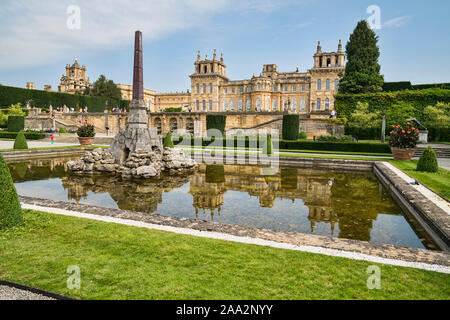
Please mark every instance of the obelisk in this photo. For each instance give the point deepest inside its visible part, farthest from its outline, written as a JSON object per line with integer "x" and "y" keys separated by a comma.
{"x": 137, "y": 135}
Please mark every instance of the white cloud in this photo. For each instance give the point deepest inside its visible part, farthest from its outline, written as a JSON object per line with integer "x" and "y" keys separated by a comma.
{"x": 397, "y": 22}
{"x": 34, "y": 33}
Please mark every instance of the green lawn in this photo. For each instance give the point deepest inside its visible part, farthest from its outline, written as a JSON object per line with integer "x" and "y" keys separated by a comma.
{"x": 51, "y": 148}
{"x": 123, "y": 262}
{"x": 438, "y": 182}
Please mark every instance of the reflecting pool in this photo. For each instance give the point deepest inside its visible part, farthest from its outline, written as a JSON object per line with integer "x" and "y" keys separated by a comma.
{"x": 346, "y": 205}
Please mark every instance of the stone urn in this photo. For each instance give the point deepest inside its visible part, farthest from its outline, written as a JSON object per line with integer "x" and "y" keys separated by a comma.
{"x": 86, "y": 141}
{"x": 403, "y": 154}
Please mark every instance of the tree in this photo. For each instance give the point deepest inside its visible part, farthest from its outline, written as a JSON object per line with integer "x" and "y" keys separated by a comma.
{"x": 361, "y": 117}
{"x": 13, "y": 110}
{"x": 438, "y": 115}
{"x": 362, "y": 72}
{"x": 10, "y": 210}
{"x": 104, "y": 88}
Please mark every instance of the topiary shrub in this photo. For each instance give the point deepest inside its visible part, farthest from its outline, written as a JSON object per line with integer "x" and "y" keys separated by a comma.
{"x": 167, "y": 140}
{"x": 216, "y": 121}
{"x": 10, "y": 210}
{"x": 21, "y": 142}
{"x": 62, "y": 130}
{"x": 16, "y": 123}
{"x": 302, "y": 135}
{"x": 428, "y": 161}
{"x": 268, "y": 147}
{"x": 291, "y": 125}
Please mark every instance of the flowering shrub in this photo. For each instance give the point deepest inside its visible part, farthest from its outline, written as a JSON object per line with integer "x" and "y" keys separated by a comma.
{"x": 406, "y": 137}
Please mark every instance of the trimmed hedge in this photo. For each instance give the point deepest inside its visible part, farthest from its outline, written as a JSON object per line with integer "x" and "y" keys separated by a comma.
{"x": 428, "y": 161}
{"x": 295, "y": 145}
{"x": 10, "y": 210}
{"x": 16, "y": 123}
{"x": 418, "y": 99}
{"x": 28, "y": 135}
{"x": 216, "y": 121}
{"x": 21, "y": 142}
{"x": 43, "y": 99}
{"x": 291, "y": 126}
{"x": 406, "y": 85}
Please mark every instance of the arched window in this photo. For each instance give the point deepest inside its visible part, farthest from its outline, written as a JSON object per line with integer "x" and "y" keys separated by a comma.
{"x": 274, "y": 107}
{"x": 173, "y": 123}
{"x": 318, "y": 104}
{"x": 259, "y": 86}
{"x": 294, "y": 104}
{"x": 190, "y": 125}
{"x": 336, "y": 84}
{"x": 319, "y": 84}
{"x": 247, "y": 104}
{"x": 327, "y": 85}
{"x": 240, "y": 105}
{"x": 327, "y": 104}
{"x": 158, "y": 125}
{"x": 258, "y": 103}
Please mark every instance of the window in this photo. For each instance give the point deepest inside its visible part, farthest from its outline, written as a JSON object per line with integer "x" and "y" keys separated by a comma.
{"x": 294, "y": 104}
{"x": 204, "y": 88}
{"x": 302, "y": 105}
{"x": 285, "y": 106}
{"x": 294, "y": 88}
{"x": 224, "y": 105}
{"x": 247, "y": 104}
{"x": 197, "y": 105}
{"x": 210, "y": 105}
{"x": 233, "y": 90}
{"x": 224, "y": 90}
{"x": 319, "y": 84}
{"x": 268, "y": 103}
{"x": 286, "y": 88}
{"x": 258, "y": 103}
{"x": 336, "y": 84}
{"x": 204, "y": 105}
{"x": 274, "y": 107}
{"x": 198, "y": 88}
{"x": 327, "y": 104}
{"x": 303, "y": 88}
{"x": 249, "y": 89}
{"x": 240, "y": 105}
{"x": 259, "y": 86}
{"x": 210, "y": 88}
{"x": 241, "y": 90}
{"x": 318, "y": 104}
{"x": 327, "y": 84}
{"x": 275, "y": 88}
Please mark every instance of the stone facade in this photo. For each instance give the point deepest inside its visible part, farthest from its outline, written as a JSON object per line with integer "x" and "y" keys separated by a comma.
{"x": 309, "y": 93}
{"x": 74, "y": 80}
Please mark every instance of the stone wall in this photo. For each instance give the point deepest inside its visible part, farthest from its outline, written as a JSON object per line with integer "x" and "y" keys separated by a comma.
{"x": 194, "y": 122}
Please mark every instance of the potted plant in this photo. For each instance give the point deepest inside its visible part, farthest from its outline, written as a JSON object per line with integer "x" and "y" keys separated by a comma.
{"x": 403, "y": 141}
{"x": 86, "y": 134}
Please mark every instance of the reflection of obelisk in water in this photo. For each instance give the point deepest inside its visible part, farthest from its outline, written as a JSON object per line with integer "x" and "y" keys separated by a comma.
{"x": 137, "y": 135}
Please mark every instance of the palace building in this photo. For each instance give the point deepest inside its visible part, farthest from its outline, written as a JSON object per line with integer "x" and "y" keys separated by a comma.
{"x": 75, "y": 79}
{"x": 310, "y": 93}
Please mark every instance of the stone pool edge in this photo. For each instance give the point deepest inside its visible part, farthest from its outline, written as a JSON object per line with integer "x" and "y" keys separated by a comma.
{"x": 353, "y": 249}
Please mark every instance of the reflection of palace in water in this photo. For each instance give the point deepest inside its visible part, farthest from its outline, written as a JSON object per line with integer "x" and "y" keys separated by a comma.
{"x": 329, "y": 197}
{"x": 306, "y": 184}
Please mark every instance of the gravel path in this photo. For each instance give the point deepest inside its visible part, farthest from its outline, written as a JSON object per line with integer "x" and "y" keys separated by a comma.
{"x": 11, "y": 293}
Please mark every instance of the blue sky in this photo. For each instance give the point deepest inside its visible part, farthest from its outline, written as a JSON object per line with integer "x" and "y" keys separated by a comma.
{"x": 36, "y": 43}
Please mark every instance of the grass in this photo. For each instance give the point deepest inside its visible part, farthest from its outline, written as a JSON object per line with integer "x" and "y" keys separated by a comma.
{"x": 51, "y": 148}
{"x": 123, "y": 262}
{"x": 438, "y": 182}
{"x": 293, "y": 155}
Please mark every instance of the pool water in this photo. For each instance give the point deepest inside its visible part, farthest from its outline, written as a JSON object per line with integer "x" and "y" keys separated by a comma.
{"x": 346, "y": 205}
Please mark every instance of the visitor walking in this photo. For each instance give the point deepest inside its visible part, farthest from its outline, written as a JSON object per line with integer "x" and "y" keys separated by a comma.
{"x": 52, "y": 139}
